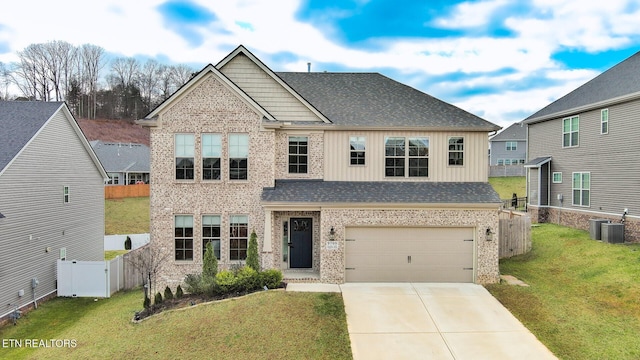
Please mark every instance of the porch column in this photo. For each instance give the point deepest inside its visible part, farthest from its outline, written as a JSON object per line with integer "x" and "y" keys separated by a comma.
{"x": 266, "y": 244}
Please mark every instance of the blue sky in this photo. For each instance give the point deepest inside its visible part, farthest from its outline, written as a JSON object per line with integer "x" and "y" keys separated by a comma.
{"x": 499, "y": 59}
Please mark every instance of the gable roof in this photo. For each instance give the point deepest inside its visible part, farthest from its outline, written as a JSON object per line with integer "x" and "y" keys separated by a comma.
{"x": 21, "y": 121}
{"x": 119, "y": 157}
{"x": 374, "y": 100}
{"x": 379, "y": 192}
{"x": 515, "y": 131}
{"x": 619, "y": 83}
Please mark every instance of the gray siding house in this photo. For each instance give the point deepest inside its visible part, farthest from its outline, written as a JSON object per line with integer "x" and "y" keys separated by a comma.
{"x": 583, "y": 153}
{"x": 125, "y": 163}
{"x": 51, "y": 199}
{"x": 343, "y": 177}
{"x": 509, "y": 146}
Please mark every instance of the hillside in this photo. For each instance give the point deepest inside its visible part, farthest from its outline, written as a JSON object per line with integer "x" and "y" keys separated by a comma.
{"x": 124, "y": 131}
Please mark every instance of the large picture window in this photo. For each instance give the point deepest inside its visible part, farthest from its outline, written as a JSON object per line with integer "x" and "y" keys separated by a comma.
{"x": 183, "y": 237}
{"x": 570, "y": 131}
{"x": 298, "y": 154}
{"x": 238, "y": 156}
{"x": 456, "y": 151}
{"x": 211, "y": 154}
{"x": 581, "y": 188}
{"x": 184, "y": 152}
{"x": 415, "y": 160}
{"x": 211, "y": 234}
{"x": 238, "y": 237}
{"x": 357, "y": 150}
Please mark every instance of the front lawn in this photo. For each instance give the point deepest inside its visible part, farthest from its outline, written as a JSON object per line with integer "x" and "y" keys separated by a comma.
{"x": 584, "y": 296}
{"x": 265, "y": 325}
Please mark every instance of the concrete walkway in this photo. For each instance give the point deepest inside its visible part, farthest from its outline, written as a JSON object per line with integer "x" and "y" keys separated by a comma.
{"x": 430, "y": 321}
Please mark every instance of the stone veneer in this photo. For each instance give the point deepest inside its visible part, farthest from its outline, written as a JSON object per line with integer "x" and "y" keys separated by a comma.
{"x": 580, "y": 220}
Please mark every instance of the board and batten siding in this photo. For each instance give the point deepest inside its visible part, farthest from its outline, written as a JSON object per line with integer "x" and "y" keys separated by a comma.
{"x": 611, "y": 158}
{"x": 338, "y": 168}
{"x": 266, "y": 91}
{"x": 38, "y": 222}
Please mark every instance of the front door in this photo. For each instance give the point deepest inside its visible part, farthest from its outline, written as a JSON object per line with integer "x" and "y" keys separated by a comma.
{"x": 300, "y": 243}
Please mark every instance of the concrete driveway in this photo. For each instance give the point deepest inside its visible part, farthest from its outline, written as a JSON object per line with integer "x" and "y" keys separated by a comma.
{"x": 434, "y": 321}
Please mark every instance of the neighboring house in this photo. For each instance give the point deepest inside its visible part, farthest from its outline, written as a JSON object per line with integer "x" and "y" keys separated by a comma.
{"x": 343, "y": 177}
{"x": 51, "y": 198}
{"x": 509, "y": 146}
{"x": 583, "y": 152}
{"x": 125, "y": 163}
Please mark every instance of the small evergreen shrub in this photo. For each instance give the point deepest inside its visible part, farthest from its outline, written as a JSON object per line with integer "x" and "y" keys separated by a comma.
{"x": 168, "y": 295}
{"x": 158, "y": 299}
{"x": 193, "y": 284}
{"x": 271, "y": 278}
{"x": 247, "y": 279}
{"x": 252, "y": 252}
{"x": 127, "y": 243}
{"x": 226, "y": 282}
{"x": 179, "y": 292}
{"x": 147, "y": 302}
{"x": 209, "y": 262}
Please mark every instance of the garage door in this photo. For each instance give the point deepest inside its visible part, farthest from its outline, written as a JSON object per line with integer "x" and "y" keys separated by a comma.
{"x": 402, "y": 254}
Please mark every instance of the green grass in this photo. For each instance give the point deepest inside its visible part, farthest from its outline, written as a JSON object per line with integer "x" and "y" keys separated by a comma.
{"x": 126, "y": 216}
{"x": 583, "y": 299}
{"x": 266, "y": 325}
{"x": 111, "y": 254}
{"x": 507, "y": 186}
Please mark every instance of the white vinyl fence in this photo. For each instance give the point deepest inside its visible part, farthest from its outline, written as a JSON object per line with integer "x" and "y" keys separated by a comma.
{"x": 116, "y": 242}
{"x": 90, "y": 278}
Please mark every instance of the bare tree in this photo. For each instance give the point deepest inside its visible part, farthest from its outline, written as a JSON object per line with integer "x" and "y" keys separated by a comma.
{"x": 181, "y": 74}
{"x": 123, "y": 81}
{"x": 149, "y": 79}
{"x": 149, "y": 260}
{"x": 58, "y": 57}
{"x": 5, "y": 80}
{"x": 31, "y": 73}
{"x": 92, "y": 57}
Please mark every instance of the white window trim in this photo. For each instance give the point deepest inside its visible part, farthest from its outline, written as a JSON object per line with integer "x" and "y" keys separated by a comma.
{"x": 603, "y": 120}
{"x": 289, "y": 155}
{"x": 577, "y": 132}
{"x": 364, "y": 139}
{"x": 193, "y": 239}
{"x": 512, "y": 148}
{"x": 581, "y": 189}
{"x": 229, "y": 179}
{"x": 175, "y": 157}
{"x": 553, "y": 177}
{"x": 66, "y": 194}
{"x": 457, "y": 151}
{"x": 407, "y": 157}
{"x": 203, "y": 157}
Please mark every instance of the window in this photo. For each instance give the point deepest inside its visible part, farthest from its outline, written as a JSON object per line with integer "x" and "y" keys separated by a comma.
{"x": 521, "y": 161}
{"x": 65, "y": 194}
{"x": 114, "y": 178}
{"x": 211, "y": 154}
{"x": 416, "y": 160}
{"x": 557, "y": 177}
{"x": 604, "y": 121}
{"x": 581, "y": 188}
{"x": 211, "y": 234}
{"x": 238, "y": 156}
{"x": 500, "y": 161}
{"x": 184, "y": 148}
{"x": 238, "y": 237}
{"x": 456, "y": 151}
{"x": 512, "y": 145}
{"x": 357, "y": 148}
{"x": 183, "y": 237}
{"x": 507, "y": 161}
{"x": 570, "y": 130}
{"x": 298, "y": 154}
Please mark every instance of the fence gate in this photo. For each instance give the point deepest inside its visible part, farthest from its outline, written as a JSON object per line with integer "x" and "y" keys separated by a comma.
{"x": 90, "y": 278}
{"x": 515, "y": 234}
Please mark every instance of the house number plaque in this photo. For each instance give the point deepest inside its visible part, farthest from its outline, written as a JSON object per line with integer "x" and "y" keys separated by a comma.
{"x": 332, "y": 245}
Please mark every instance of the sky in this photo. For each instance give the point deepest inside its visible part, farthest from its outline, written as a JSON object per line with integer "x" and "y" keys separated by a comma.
{"x": 501, "y": 60}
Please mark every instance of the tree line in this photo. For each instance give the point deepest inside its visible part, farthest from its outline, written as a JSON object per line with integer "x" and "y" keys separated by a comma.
{"x": 92, "y": 85}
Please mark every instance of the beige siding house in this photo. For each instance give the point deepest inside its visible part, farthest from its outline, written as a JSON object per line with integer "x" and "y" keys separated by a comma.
{"x": 582, "y": 150}
{"x": 51, "y": 199}
{"x": 343, "y": 177}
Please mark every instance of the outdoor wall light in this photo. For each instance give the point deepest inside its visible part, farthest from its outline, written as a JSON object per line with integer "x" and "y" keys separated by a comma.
{"x": 332, "y": 234}
{"x": 489, "y": 234}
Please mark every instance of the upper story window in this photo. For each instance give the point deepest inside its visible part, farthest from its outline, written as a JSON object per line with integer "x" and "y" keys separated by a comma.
{"x": 512, "y": 145}
{"x": 298, "y": 154}
{"x": 456, "y": 151}
{"x": 398, "y": 160}
{"x": 604, "y": 121}
{"x": 238, "y": 237}
{"x": 65, "y": 194}
{"x": 211, "y": 156}
{"x": 183, "y": 237}
{"x": 357, "y": 150}
{"x": 184, "y": 151}
{"x": 211, "y": 234}
{"x": 581, "y": 188}
{"x": 238, "y": 156}
{"x": 570, "y": 131}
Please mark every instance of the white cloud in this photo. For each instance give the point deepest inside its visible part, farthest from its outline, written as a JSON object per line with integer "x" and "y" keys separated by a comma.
{"x": 470, "y": 14}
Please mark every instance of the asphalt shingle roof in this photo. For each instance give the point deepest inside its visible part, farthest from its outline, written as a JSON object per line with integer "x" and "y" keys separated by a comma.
{"x": 538, "y": 161}
{"x": 122, "y": 157}
{"x": 319, "y": 191}
{"x": 19, "y": 122}
{"x": 622, "y": 79}
{"x": 516, "y": 131}
{"x": 371, "y": 99}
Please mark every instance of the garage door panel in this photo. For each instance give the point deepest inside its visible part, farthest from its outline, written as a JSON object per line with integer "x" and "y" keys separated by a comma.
{"x": 409, "y": 254}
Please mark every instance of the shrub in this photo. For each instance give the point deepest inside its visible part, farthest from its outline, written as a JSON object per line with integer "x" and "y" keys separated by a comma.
{"x": 179, "y": 292}
{"x": 271, "y": 278}
{"x": 127, "y": 243}
{"x": 252, "y": 252}
{"x": 247, "y": 279}
{"x": 147, "y": 302}
{"x": 168, "y": 295}
{"x": 158, "y": 299}
{"x": 226, "y": 282}
{"x": 210, "y": 262}
{"x": 193, "y": 284}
